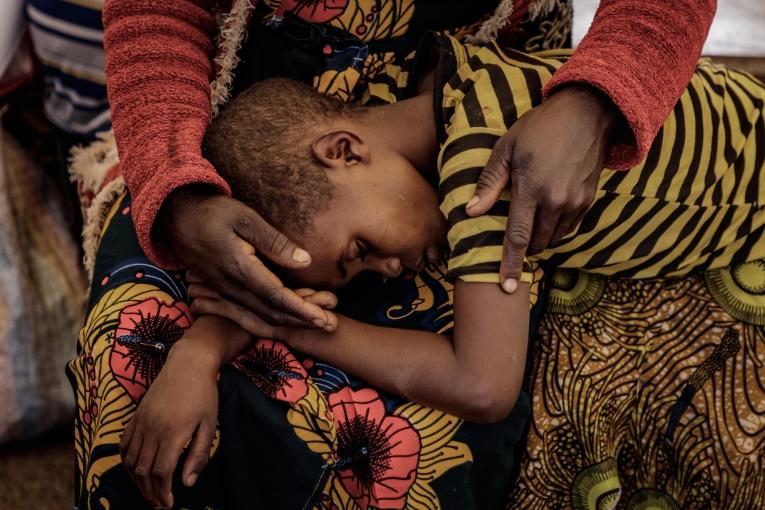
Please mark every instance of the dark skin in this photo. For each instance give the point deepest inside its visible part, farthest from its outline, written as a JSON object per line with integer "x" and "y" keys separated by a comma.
{"x": 222, "y": 239}
{"x": 553, "y": 154}
{"x": 376, "y": 168}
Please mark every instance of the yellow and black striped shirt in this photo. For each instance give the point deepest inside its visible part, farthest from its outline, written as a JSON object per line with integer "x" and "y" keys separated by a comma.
{"x": 693, "y": 202}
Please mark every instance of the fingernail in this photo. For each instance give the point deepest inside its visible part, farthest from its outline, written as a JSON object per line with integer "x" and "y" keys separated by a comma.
{"x": 300, "y": 255}
{"x": 319, "y": 323}
{"x": 510, "y": 285}
{"x": 191, "y": 479}
{"x": 473, "y": 202}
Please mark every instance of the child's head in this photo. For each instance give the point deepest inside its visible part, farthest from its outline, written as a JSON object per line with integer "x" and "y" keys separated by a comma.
{"x": 311, "y": 167}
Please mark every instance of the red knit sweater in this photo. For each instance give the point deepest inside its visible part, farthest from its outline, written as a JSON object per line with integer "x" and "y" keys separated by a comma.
{"x": 641, "y": 53}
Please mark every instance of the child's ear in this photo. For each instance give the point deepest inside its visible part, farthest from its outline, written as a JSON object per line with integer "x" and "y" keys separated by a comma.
{"x": 340, "y": 149}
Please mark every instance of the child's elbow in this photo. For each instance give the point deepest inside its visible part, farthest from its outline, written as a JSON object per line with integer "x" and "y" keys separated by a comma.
{"x": 490, "y": 402}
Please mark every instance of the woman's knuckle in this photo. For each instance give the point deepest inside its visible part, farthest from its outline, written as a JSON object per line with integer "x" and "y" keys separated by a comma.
{"x": 557, "y": 204}
{"x": 522, "y": 159}
{"x": 275, "y": 296}
{"x": 140, "y": 471}
{"x": 245, "y": 320}
{"x": 492, "y": 174}
{"x": 518, "y": 238}
{"x": 201, "y": 459}
{"x": 244, "y": 224}
{"x": 237, "y": 268}
{"x": 159, "y": 473}
{"x": 272, "y": 317}
{"x": 279, "y": 242}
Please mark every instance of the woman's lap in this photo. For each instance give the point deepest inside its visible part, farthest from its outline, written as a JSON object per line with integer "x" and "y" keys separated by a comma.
{"x": 648, "y": 392}
{"x": 643, "y": 391}
{"x": 291, "y": 429}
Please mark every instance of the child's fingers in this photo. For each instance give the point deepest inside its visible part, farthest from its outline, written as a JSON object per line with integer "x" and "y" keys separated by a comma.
{"x": 199, "y": 453}
{"x": 246, "y": 320}
{"x": 322, "y": 298}
{"x": 332, "y": 322}
{"x": 267, "y": 310}
{"x": 327, "y": 301}
{"x": 164, "y": 465}
{"x": 142, "y": 470}
{"x": 127, "y": 437}
{"x": 304, "y": 293}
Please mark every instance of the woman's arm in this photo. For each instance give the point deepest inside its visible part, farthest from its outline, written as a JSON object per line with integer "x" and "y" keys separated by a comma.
{"x": 476, "y": 375}
{"x": 641, "y": 55}
{"x": 603, "y": 108}
{"x": 158, "y": 69}
{"x": 180, "y": 409}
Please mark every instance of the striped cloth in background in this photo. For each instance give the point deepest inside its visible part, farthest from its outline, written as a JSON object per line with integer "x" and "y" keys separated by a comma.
{"x": 42, "y": 290}
{"x": 68, "y": 39}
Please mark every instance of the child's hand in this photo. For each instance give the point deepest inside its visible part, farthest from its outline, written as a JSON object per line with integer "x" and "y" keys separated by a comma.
{"x": 207, "y": 301}
{"x": 181, "y": 406}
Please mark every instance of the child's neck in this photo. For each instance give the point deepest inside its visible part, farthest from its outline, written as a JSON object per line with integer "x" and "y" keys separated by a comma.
{"x": 408, "y": 126}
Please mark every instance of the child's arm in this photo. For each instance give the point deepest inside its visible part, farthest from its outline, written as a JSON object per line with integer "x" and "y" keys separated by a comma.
{"x": 180, "y": 407}
{"x": 476, "y": 376}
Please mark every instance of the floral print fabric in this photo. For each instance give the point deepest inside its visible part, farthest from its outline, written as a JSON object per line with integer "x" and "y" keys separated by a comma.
{"x": 354, "y": 447}
{"x": 293, "y": 432}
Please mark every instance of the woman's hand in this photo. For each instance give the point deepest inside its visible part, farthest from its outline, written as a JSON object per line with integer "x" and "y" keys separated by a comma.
{"x": 220, "y": 239}
{"x": 553, "y": 156}
{"x": 207, "y": 301}
{"x": 181, "y": 406}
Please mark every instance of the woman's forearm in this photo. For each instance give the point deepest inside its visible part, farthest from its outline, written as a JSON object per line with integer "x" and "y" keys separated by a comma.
{"x": 641, "y": 54}
{"x": 158, "y": 67}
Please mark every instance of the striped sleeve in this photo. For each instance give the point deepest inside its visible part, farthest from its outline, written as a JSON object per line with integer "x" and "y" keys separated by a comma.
{"x": 490, "y": 89}
{"x": 68, "y": 40}
{"x": 475, "y": 243}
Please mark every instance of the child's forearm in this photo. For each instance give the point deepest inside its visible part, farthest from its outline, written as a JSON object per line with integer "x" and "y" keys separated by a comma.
{"x": 214, "y": 340}
{"x": 476, "y": 377}
{"x": 418, "y": 365}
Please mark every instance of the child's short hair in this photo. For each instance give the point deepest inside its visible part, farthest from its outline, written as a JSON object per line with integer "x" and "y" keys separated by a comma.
{"x": 261, "y": 145}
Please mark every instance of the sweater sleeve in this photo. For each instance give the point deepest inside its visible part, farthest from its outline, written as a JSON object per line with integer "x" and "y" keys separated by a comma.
{"x": 641, "y": 54}
{"x": 158, "y": 68}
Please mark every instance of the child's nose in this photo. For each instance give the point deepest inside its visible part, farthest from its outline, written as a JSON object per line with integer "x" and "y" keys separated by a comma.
{"x": 388, "y": 266}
